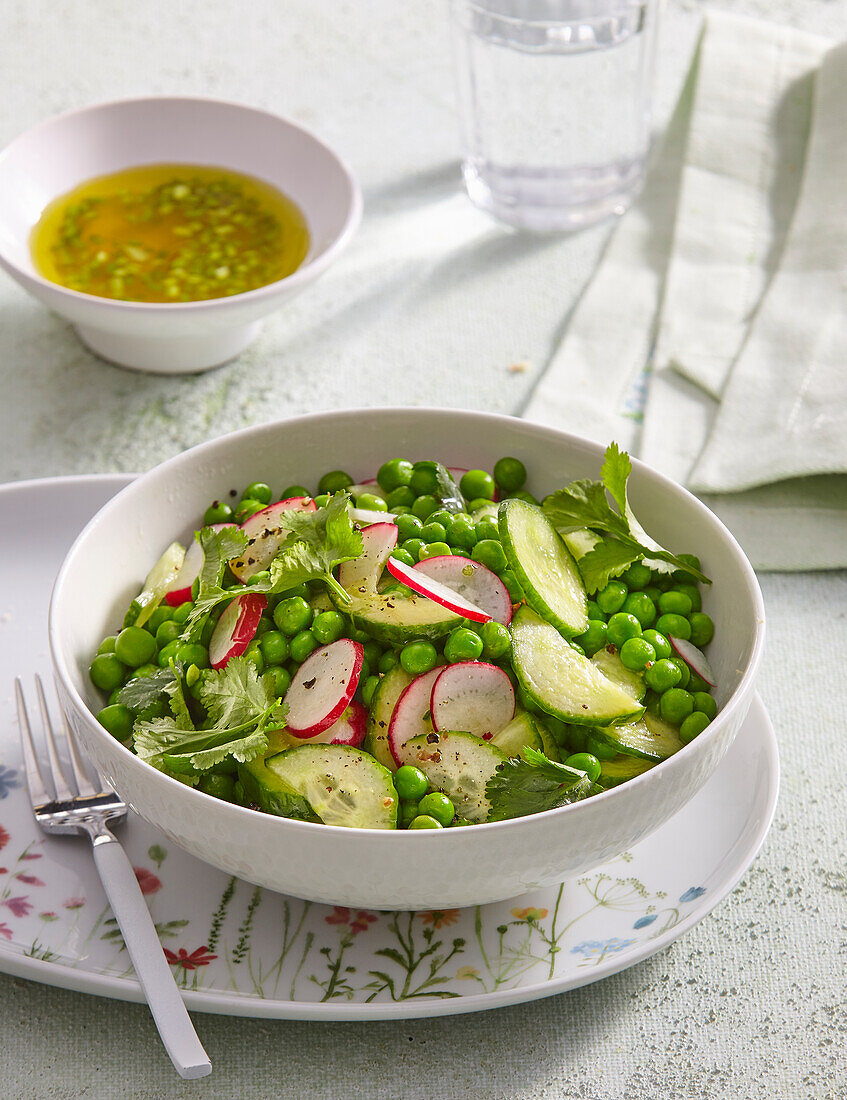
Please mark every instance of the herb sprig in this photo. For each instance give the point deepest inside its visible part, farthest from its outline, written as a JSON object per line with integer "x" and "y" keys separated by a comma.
{"x": 531, "y": 784}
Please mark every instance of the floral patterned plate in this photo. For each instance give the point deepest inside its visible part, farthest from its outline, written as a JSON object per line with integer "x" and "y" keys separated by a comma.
{"x": 239, "y": 949}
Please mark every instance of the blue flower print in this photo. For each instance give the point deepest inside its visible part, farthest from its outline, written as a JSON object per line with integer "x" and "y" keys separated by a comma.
{"x": 692, "y": 893}
{"x": 8, "y": 780}
{"x": 593, "y": 948}
{"x": 648, "y": 918}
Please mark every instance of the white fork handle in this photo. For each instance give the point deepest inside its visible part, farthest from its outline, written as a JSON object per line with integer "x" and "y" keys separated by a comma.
{"x": 151, "y": 966}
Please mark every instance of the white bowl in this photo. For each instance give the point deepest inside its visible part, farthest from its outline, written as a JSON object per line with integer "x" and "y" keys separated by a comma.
{"x": 369, "y": 868}
{"x": 172, "y": 338}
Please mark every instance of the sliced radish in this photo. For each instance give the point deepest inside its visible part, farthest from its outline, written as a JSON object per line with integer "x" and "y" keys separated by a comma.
{"x": 436, "y": 591}
{"x": 473, "y": 697}
{"x": 474, "y": 582}
{"x": 323, "y": 687}
{"x": 180, "y": 589}
{"x": 236, "y": 628}
{"x": 694, "y": 657}
{"x": 411, "y": 715}
{"x": 349, "y": 729}
{"x": 369, "y": 515}
{"x": 266, "y": 532}
{"x": 361, "y": 574}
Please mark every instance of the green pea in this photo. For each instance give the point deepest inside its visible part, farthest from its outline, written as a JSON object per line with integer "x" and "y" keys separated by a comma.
{"x": 676, "y": 705}
{"x": 662, "y": 675}
{"x": 433, "y": 532}
{"x": 462, "y": 532}
{"x": 373, "y": 652}
{"x": 408, "y": 527}
{"x": 516, "y": 593}
{"x": 697, "y": 683}
{"x": 674, "y": 602}
{"x": 218, "y": 786}
{"x": 168, "y": 652}
{"x": 192, "y": 653}
{"x": 393, "y": 474}
{"x": 684, "y": 671}
{"x": 407, "y": 812}
{"x": 117, "y": 720}
{"x": 594, "y": 639}
{"x": 653, "y": 591}
{"x": 594, "y": 611}
{"x": 293, "y": 615}
{"x": 277, "y": 681}
{"x": 360, "y": 636}
{"x": 144, "y": 672}
{"x": 692, "y": 726}
{"x": 702, "y": 629}
{"x": 371, "y": 502}
{"x": 404, "y": 556}
{"x": 490, "y": 553}
{"x": 328, "y": 627}
{"x": 401, "y": 497}
{"x": 162, "y": 614}
{"x": 674, "y": 626}
{"x": 612, "y": 598}
{"x": 693, "y": 593}
{"x": 585, "y": 762}
{"x": 253, "y": 653}
{"x": 636, "y": 654}
{"x": 496, "y": 640}
{"x": 705, "y": 704}
{"x": 302, "y": 644}
{"x": 638, "y": 576}
{"x": 248, "y": 508}
{"x": 181, "y": 613}
{"x": 437, "y": 805}
{"x": 463, "y": 645}
{"x": 134, "y": 646}
{"x": 442, "y": 516}
{"x": 659, "y": 642}
{"x": 217, "y": 512}
{"x": 424, "y": 479}
{"x": 401, "y": 510}
{"x": 487, "y": 528}
{"x": 599, "y": 749}
{"x": 368, "y": 689}
{"x": 424, "y": 506}
{"x": 410, "y": 783}
{"x": 274, "y": 646}
{"x": 477, "y": 485}
{"x": 107, "y": 671}
{"x": 192, "y": 676}
{"x": 621, "y": 627}
{"x": 334, "y": 482}
{"x": 418, "y": 657}
{"x": 296, "y": 492}
{"x": 424, "y": 821}
{"x": 522, "y": 494}
{"x": 388, "y": 660}
{"x": 258, "y": 490}
{"x": 434, "y": 550}
{"x": 321, "y": 500}
{"x": 264, "y": 625}
{"x": 108, "y": 644}
{"x": 481, "y": 504}
{"x": 642, "y": 607}
{"x": 510, "y": 474}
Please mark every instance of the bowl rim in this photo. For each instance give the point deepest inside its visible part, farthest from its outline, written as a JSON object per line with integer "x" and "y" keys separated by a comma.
{"x": 738, "y": 698}
{"x": 307, "y": 270}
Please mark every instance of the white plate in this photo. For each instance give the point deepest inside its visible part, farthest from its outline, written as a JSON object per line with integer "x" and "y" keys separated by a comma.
{"x": 240, "y": 950}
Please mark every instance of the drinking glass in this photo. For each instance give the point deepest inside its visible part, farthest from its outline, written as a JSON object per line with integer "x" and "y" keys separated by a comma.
{"x": 554, "y": 100}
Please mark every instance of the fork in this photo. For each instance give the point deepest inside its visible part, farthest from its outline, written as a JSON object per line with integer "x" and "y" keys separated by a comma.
{"x": 89, "y": 811}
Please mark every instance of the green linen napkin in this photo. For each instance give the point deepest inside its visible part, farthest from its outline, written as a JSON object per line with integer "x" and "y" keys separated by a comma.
{"x": 721, "y": 299}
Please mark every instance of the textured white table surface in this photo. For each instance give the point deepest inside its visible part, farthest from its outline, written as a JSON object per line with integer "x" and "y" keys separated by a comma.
{"x": 431, "y": 305}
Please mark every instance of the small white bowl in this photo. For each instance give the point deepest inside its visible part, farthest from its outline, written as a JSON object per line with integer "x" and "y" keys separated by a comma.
{"x": 369, "y": 868}
{"x": 182, "y": 337}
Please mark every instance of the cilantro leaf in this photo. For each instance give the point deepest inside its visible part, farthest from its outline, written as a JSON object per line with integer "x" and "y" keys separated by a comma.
{"x": 234, "y": 694}
{"x": 532, "y": 784}
{"x": 141, "y": 691}
{"x": 608, "y": 558}
{"x": 219, "y": 547}
{"x": 318, "y": 542}
{"x": 447, "y": 490}
{"x": 583, "y": 503}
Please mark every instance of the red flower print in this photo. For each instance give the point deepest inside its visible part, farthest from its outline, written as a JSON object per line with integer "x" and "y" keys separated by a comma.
{"x": 48, "y": 916}
{"x": 363, "y": 919}
{"x": 149, "y": 883}
{"x": 4, "y": 837}
{"x": 6, "y": 931}
{"x": 4, "y": 870}
{"x": 30, "y": 880}
{"x": 73, "y": 903}
{"x": 199, "y": 957}
{"x": 19, "y": 906}
{"x": 340, "y": 915}
{"x": 31, "y": 855}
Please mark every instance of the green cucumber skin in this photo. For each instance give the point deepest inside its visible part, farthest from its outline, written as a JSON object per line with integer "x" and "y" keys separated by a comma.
{"x": 391, "y": 687}
{"x": 395, "y": 633}
{"x": 508, "y": 512}
{"x": 647, "y": 739}
{"x": 421, "y": 751}
{"x": 583, "y": 717}
{"x": 613, "y": 668}
{"x": 272, "y": 794}
{"x": 621, "y": 770}
{"x": 522, "y": 732}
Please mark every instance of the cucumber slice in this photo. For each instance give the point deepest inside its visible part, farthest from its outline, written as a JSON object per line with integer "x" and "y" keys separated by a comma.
{"x": 562, "y": 681}
{"x": 613, "y": 668}
{"x": 549, "y": 745}
{"x": 395, "y": 620}
{"x": 650, "y": 738}
{"x": 267, "y": 790}
{"x": 343, "y": 785}
{"x": 579, "y": 542}
{"x": 520, "y": 733}
{"x": 617, "y": 771}
{"x": 459, "y": 765}
{"x": 543, "y": 567}
{"x": 391, "y": 687}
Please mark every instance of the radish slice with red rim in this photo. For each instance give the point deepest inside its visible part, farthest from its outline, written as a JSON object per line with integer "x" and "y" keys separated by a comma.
{"x": 266, "y": 531}
{"x": 180, "y": 590}
{"x": 694, "y": 657}
{"x": 473, "y": 697}
{"x": 370, "y": 515}
{"x": 436, "y": 591}
{"x": 473, "y": 581}
{"x": 349, "y": 729}
{"x": 323, "y": 687}
{"x": 236, "y": 628}
{"x": 361, "y": 574}
{"x": 411, "y": 715}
